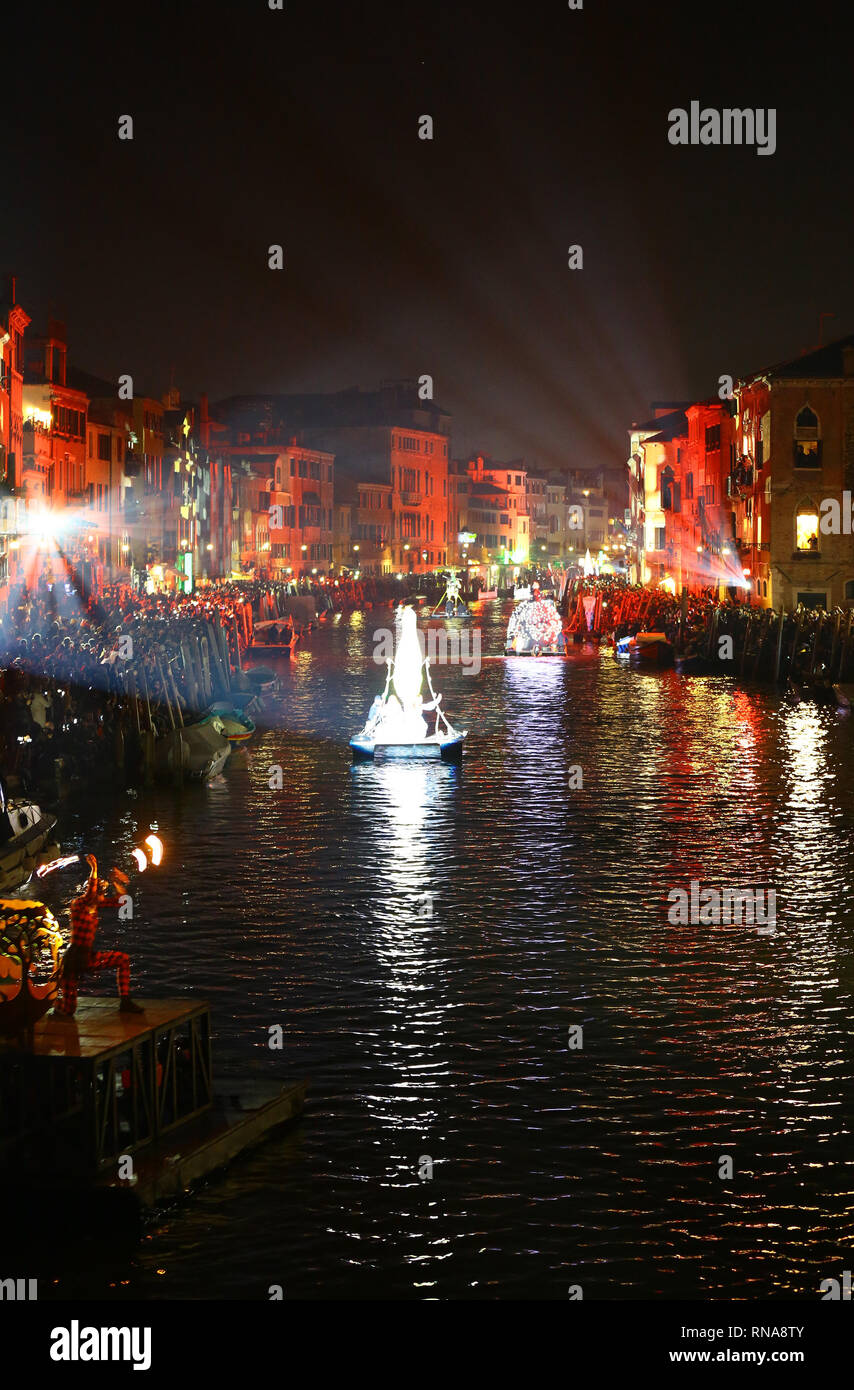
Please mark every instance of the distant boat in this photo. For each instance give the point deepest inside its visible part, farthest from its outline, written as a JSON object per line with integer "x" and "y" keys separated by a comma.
{"x": 276, "y": 636}
{"x": 646, "y": 649}
{"x": 484, "y": 594}
{"x": 448, "y": 610}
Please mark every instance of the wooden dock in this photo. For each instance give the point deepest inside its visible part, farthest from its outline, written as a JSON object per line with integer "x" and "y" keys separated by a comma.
{"x": 169, "y": 1169}
{"x": 105, "y": 1086}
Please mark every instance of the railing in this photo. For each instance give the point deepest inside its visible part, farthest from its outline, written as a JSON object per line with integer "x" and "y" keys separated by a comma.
{"x": 411, "y": 499}
{"x": 741, "y": 478}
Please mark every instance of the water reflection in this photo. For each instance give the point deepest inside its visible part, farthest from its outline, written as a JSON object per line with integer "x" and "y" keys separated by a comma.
{"x": 446, "y": 1035}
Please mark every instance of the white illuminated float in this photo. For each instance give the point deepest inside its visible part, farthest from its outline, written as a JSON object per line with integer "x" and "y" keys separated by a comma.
{"x": 396, "y": 727}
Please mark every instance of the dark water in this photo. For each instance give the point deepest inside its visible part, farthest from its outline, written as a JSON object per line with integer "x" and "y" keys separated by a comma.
{"x": 444, "y": 1036}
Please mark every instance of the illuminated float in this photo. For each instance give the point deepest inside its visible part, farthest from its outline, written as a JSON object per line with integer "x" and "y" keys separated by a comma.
{"x": 30, "y": 944}
{"x": 451, "y": 601}
{"x": 535, "y": 628}
{"x": 396, "y": 727}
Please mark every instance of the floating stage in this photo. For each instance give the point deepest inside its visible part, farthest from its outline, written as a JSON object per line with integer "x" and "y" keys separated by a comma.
{"x": 106, "y": 1085}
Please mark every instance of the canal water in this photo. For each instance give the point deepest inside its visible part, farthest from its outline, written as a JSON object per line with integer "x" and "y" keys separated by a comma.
{"x": 428, "y": 936}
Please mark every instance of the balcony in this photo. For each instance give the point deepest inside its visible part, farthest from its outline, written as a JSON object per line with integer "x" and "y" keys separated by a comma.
{"x": 411, "y": 499}
{"x": 740, "y": 481}
{"x": 132, "y": 465}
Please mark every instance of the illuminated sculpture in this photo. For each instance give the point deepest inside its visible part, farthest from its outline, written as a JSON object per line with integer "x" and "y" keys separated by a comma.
{"x": 535, "y": 628}
{"x": 396, "y": 727}
{"x": 30, "y": 942}
{"x": 452, "y": 598}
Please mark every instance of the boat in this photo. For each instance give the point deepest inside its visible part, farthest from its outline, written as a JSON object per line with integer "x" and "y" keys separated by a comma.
{"x": 275, "y": 635}
{"x": 816, "y": 690}
{"x": 522, "y": 592}
{"x": 535, "y": 629}
{"x": 449, "y": 610}
{"x": 235, "y": 724}
{"x": 483, "y": 595}
{"x": 262, "y": 678}
{"x": 395, "y": 728}
{"x": 205, "y": 748}
{"x": 646, "y": 649}
{"x": 26, "y": 831}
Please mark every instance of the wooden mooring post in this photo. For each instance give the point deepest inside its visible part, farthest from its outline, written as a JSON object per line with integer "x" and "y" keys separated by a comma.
{"x": 779, "y": 655}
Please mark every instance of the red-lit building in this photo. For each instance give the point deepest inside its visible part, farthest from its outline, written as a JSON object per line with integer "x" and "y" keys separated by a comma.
{"x": 13, "y": 324}
{"x": 679, "y": 475}
{"x": 55, "y": 442}
{"x": 390, "y": 453}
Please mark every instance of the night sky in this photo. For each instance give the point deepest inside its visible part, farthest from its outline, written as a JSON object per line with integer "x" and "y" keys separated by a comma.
{"x": 404, "y": 256}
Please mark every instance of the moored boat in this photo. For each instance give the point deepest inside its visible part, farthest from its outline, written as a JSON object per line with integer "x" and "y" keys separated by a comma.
{"x": 25, "y": 833}
{"x": 236, "y": 725}
{"x": 263, "y": 679}
{"x": 205, "y": 749}
{"x": 276, "y": 636}
{"x": 646, "y": 649}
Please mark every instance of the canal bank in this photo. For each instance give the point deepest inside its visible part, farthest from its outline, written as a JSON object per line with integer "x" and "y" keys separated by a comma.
{"x": 426, "y": 937}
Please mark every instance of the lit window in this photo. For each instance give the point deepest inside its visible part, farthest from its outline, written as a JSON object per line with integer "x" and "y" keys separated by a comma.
{"x": 807, "y": 439}
{"x": 807, "y": 528}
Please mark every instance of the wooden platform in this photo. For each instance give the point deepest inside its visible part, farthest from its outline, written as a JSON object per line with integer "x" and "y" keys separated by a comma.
{"x": 169, "y": 1169}
{"x": 98, "y": 1029}
{"x": 105, "y": 1085}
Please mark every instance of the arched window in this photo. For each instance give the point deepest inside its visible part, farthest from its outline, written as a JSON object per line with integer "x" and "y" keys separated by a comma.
{"x": 807, "y": 440}
{"x": 667, "y": 489}
{"x": 806, "y": 527}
